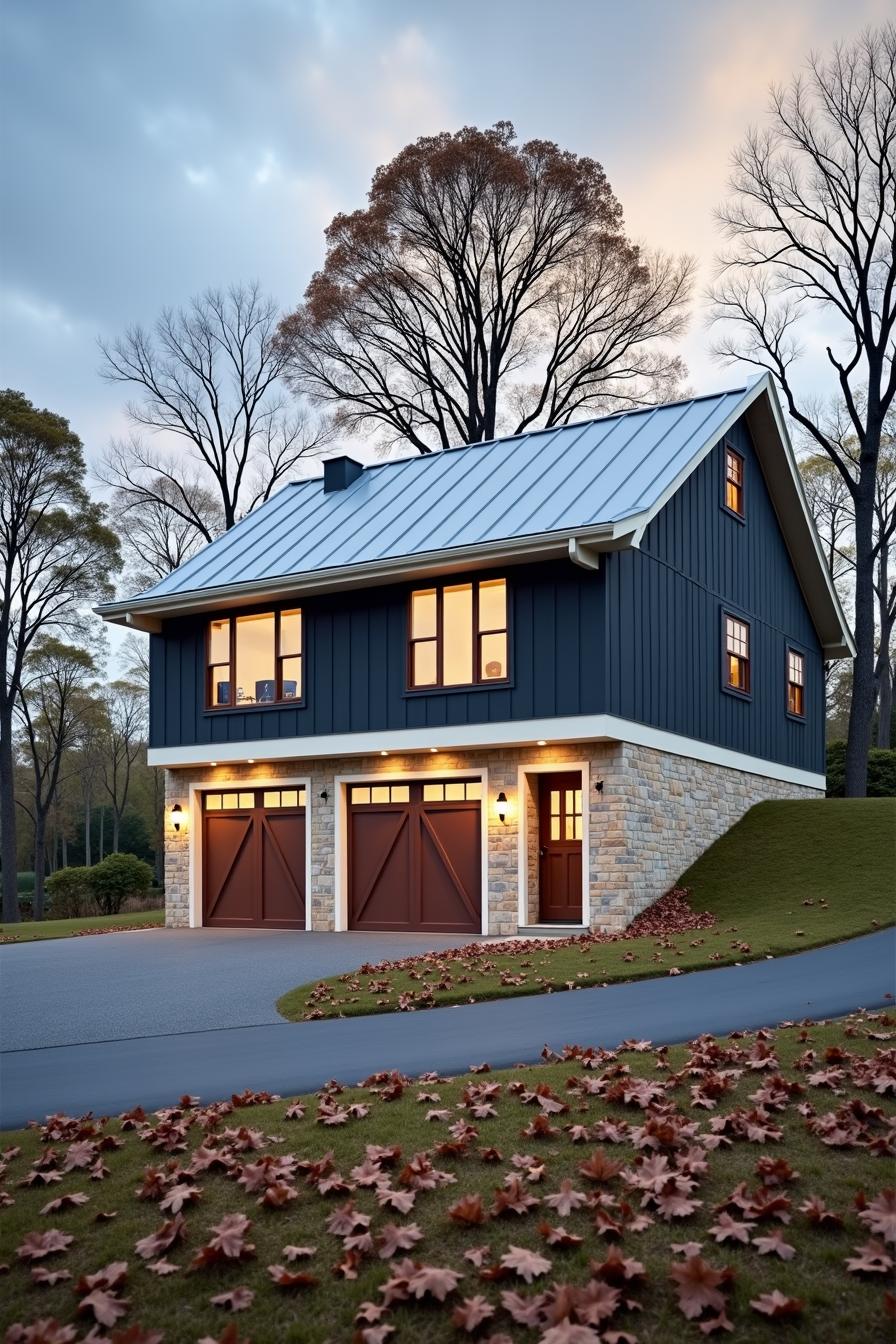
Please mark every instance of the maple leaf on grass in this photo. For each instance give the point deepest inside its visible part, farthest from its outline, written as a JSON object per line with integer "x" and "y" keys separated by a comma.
{"x": 818, "y": 1213}
{"x": 433, "y": 1281}
{"x": 36, "y": 1245}
{"x": 104, "y": 1306}
{"x": 558, "y": 1236}
{"x": 238, "y": 1299}
{"x": 471, "y": 1313}
{"x": 230, "y": 1336}
{"x": 178, "y": 1196}
{"x": 872, "y": 1258}
{"x": 298, "y": 1252}
{"x": 45, "y": 1331}
{"x": 567, "y": 1332}
{"x": 880, "y": 1215}
{"x": 49, "y": 1277}
{"x": 618, "y": 1269}
{"x": 289, "y": 1278}
{"x": 168, "y": 1234}
{"x": 111, "y": 1277}
{"x": 468, "y": 1210}
{"x": 599, "y": 1168}
{"x": 68, "y": 1201}
{"x": 527, "y": 1264}
{"x": 394, "y": 1238}
{"x": 566, "y": 1199}
{"x": 729, "y": 1229}
{"x": 163, "y": 1268}
{"x": 777, "y": 1305}
{"x": 774, "y": 1244}
{"x": 697, "y": 1285}
{"x": 513, "y": 1198}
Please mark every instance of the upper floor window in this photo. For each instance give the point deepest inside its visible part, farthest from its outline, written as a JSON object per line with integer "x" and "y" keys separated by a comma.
{"x": 796, "y": 684}
{"x": 737, "y": 655}
{"x": 458, "y": 634}
{"x": 734, "y": 482}
{"x": 255, "y": 660}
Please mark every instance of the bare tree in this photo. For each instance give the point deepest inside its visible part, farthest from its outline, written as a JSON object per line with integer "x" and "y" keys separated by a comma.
{"x": 54, "y": 698}
{"x": 812, "y": 222}
{"x": 124, "y": 742}
{"x": 487, "y": 287}
{"x": 55, "y": 553}
{"x": 207, "y": 379}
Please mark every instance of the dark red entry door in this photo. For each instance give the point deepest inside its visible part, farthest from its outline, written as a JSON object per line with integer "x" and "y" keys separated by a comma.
{"x": 560, "y": 847}
{"x": 253, "y": 858}
{"x": 414, "y": 856}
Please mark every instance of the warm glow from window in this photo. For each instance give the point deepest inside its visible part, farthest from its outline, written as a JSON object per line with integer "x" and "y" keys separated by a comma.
{"x": 255, "y": 659}
{"x": 796, "y": 683}
{"x": 734, "y": 482}
{"x": 458, "y": 634}
{"x": 737, "y": 654}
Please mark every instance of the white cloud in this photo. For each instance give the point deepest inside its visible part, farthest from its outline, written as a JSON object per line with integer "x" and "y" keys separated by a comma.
{"x": 199, "y": 177}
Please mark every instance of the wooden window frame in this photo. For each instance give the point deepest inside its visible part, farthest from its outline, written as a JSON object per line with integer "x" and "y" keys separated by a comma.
{"x": 278, "y": 702}
{"x": 739, "y": 514}
{"x": 798, "y": 716}
{"x": 746, "y": 692}
{"x": 479, "y": 682}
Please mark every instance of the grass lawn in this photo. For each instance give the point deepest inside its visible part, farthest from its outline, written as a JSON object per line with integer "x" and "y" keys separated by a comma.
{"x": 790, "y": 875}
{"x": 29, "y": 931}
{"x": 734, "y": 1166}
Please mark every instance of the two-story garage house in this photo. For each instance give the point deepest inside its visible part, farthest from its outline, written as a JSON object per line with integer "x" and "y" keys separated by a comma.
{"x": 520, "y": 683}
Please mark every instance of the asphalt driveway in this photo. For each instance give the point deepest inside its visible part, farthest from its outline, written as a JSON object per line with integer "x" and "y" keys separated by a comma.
{"x": 161, "y": 982}
{"x": 111, "y": 1075}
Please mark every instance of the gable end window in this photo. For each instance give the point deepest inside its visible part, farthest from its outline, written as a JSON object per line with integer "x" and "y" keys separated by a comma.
{"x": 736, "y": 655}
{"x": 796, "y": 684}
{"x": 254, "y": 660}
{"x": 458, "y": 635}
{"x": 734, "y": 482}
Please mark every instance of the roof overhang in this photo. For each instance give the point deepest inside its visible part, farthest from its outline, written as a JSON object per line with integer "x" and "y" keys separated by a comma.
{"x": 581, "y": 545}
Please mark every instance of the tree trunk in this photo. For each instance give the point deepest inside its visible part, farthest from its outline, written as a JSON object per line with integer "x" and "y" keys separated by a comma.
{"x": 885, "y": 706}
{"x": 64, "y": 855}
{"x": 40, "y": 863}
{"x": 861, "y": 708}
{"x": 102, "y": 829}
{"x": 116, "y": 824}
{"x": 87, "y": 823}
{"x": 8, "y": 853}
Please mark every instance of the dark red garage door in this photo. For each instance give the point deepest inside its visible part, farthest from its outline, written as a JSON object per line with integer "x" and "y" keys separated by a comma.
{"x": 253, "y": 859}
{"x": 414, "y": 856}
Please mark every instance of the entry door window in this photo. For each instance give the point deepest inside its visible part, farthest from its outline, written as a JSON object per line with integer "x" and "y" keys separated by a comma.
{"x": 566, "y": 814}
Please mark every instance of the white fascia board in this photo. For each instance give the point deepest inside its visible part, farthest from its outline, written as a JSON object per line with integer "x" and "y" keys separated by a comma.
{"x": 513, "y": 550}
{"x": 573, "y": 728}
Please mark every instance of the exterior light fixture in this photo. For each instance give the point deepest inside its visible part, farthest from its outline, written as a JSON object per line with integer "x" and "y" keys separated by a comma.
{"x": 599, "y": 785}
{"x": 542, "y": 742}
{"x": 213, "y": 762}
{"x": 434, "y": 749}
{"x": 501, "y": 807}
{"x": 177, "y": 816}
{"x": 384, "y": 753}
{"x": 251, "y": 760}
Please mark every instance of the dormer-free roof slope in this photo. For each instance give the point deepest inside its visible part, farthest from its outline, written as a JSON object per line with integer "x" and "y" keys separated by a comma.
{"x": 579, "y": 488}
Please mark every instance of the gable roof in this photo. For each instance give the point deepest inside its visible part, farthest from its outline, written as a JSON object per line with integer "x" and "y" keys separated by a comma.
{"x": 578, "y": 489}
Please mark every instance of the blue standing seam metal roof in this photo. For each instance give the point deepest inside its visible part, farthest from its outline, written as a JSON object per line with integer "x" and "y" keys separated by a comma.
{"x": 565, "y": 479}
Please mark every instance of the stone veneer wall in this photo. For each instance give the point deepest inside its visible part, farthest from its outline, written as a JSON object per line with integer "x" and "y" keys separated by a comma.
{"x": 657, "y": 813}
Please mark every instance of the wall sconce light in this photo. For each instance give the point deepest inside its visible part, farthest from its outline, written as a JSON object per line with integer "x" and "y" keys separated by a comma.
{"x": 177, "y": 816}
{"x": 599, "y": 785}
{"x": 501, "y": 807}
{"x": 324, "y": 795}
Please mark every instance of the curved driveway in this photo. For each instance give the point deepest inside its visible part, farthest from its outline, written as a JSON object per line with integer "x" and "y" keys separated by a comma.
{"x": 111, "y": 1074}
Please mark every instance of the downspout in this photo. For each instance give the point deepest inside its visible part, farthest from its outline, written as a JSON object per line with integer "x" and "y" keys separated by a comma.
{"x": 582, "y": 555}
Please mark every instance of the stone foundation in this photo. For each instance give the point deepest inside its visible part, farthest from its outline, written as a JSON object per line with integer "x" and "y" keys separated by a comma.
{"x": 656, "y": 814}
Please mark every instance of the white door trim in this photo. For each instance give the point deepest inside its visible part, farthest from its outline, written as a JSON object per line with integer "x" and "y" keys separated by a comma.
{"x": 551, "y": 768}
{"x": 194, "y": 801}
{"x": 340, "y": 785}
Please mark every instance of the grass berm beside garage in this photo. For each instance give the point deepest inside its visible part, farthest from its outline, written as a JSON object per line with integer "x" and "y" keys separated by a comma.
{"x": 34, "y": 930}
{"x": 758, "y": 1127}
{"x": 789, "y": 876}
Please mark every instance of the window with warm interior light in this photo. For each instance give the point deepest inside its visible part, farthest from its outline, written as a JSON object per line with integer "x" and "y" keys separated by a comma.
{"x": 734, "y": 482}
{"x": 255, "y": 659}
{"x": 796, "y": 684}
{"x": 737, "y": 655}
{"x": 458, "y": 634}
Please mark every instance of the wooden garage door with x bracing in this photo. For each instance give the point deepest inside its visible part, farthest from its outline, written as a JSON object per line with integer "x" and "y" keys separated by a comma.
{"x": 253, "y": 859}
{"x": 414, "y": 856}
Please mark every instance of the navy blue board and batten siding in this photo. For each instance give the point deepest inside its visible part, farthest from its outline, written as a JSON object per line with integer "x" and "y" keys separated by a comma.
{"x": 640, "y": 638}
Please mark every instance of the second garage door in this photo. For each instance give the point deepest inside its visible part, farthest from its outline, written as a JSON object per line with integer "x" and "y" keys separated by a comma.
{"x": 414, "y": 856}
{"x": 253, "y": 858}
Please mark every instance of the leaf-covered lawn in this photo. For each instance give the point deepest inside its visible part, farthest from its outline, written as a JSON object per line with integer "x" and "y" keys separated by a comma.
{"x": 738, "y": 1186}
{"x": 31, "y": 930}
{"x": 789, "y": 876}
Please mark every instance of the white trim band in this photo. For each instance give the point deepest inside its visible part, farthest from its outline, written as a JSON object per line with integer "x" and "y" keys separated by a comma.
{"x": 573, "y": 728}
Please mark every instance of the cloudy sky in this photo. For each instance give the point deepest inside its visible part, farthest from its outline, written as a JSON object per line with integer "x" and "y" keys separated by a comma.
{"x": 154, "y": 147}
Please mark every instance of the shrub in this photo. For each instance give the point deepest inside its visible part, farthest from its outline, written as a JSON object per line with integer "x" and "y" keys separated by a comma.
{"x": 25, "y": 884}
{"x": 881, "y": 771}
{"x": 70, "y": 893}
{"x": 118, "y": 877}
